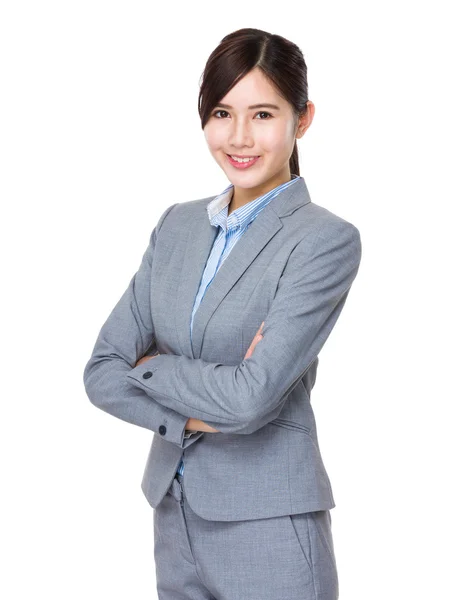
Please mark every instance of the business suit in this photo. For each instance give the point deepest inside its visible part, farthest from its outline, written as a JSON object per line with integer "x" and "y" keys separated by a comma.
{"x": 292, "y": 269}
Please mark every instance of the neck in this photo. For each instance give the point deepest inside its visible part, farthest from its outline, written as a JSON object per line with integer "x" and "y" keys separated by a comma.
{"x": 242, "y": 196}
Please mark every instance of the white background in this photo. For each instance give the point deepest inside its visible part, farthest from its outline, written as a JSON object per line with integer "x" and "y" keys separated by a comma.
{"x": 99, "y": 134}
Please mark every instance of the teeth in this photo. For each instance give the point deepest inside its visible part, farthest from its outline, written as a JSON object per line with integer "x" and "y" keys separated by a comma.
{"x": 243, "y": 160}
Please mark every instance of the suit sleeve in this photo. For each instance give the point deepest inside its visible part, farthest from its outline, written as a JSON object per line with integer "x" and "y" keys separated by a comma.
{"x": 124, "y": 338}
{"x": 309, "y": 299}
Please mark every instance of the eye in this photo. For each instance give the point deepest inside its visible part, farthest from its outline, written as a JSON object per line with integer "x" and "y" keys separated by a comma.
{"x": 262, "y": 112}
{"x": 219, "y": 111}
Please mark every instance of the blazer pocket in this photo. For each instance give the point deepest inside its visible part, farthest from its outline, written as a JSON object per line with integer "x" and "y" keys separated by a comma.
{"x": 284, "y": 423}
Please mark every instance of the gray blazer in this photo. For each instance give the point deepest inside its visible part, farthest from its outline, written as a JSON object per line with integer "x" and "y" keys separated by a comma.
{"x": 293, "y": 269}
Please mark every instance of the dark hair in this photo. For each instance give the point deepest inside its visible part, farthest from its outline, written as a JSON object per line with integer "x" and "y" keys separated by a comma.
{"x": 243, "y": 50}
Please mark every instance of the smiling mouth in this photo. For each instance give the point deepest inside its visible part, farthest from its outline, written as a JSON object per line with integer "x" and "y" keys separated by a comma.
{"x": 242, "y": 160}
{"x": 243, "y": 156}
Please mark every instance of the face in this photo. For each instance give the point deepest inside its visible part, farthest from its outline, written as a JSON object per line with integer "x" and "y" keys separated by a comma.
{"x": 267, "y": 132}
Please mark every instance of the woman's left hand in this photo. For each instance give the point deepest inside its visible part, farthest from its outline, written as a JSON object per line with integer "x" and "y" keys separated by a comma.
{"x": 198, "y": 425}
{"x": 144, "y": 359}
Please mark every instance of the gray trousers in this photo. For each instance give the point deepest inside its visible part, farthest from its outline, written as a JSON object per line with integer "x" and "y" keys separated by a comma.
{"x": 279, "y": 558}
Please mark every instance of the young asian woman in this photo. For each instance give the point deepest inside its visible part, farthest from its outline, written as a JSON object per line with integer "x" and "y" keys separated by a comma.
{"x": 214, "y": 347}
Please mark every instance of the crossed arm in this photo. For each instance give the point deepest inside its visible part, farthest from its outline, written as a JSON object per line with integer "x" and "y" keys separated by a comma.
{"x": 240, "y": 399}
{"x": 195, "y": 425}
{"x": 309, "y": 298}
{"x": 125, "y": 337}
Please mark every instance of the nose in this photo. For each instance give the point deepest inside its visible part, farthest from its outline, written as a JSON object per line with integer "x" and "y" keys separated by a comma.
{"x": 241, "y": 135}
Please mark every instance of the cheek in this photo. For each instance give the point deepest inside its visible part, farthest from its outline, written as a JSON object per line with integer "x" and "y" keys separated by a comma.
{"x": 276, "y": 139}
{"x": 214, "y": 137}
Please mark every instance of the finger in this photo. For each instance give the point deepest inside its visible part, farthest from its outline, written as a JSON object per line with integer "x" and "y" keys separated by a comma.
{"x": 257, "y": 338}
{"x": 250, "y": 349}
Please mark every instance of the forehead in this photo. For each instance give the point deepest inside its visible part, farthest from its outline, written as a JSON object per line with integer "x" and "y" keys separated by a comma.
{"x": 253, "y": 89}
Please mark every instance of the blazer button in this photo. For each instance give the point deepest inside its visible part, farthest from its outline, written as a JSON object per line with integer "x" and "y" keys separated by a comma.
{"x": 147, "y": 375}
{"x": 162, "y": 429}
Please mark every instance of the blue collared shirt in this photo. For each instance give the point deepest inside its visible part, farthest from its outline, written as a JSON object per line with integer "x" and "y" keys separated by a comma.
{"x": 231, "y": 228}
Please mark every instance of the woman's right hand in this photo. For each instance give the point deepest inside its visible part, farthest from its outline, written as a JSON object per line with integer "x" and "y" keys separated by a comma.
{"x": 257, "y": 338}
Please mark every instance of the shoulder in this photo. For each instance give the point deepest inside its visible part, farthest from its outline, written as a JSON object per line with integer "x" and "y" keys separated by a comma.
{"x": 188, "y": 210}
{"x": 314, "y": 222}
{"x": 182, "y": 212}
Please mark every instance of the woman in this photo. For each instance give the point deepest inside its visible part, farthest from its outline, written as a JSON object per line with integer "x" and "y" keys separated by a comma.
{"x": 214, "y": 347}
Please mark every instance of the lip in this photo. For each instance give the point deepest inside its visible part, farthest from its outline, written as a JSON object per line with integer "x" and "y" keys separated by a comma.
{"x": 237, "y": 165}
{"x": 244, "y": 155}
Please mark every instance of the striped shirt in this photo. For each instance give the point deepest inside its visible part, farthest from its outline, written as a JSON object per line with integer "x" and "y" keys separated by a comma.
{"x": 231, "y": 228}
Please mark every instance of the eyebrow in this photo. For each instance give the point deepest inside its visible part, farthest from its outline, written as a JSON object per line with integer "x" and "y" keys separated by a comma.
{"x": 266, "y": 105}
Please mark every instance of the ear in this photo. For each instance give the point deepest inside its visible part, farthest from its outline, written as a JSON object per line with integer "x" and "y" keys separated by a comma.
{"x": 305, "y": 119}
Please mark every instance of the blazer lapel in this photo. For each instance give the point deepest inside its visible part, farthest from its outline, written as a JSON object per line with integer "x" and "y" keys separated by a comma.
{"x": 199, "y": 243}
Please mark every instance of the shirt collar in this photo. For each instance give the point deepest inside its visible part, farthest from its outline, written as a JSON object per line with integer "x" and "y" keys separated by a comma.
{"x": 217, "y": 209}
